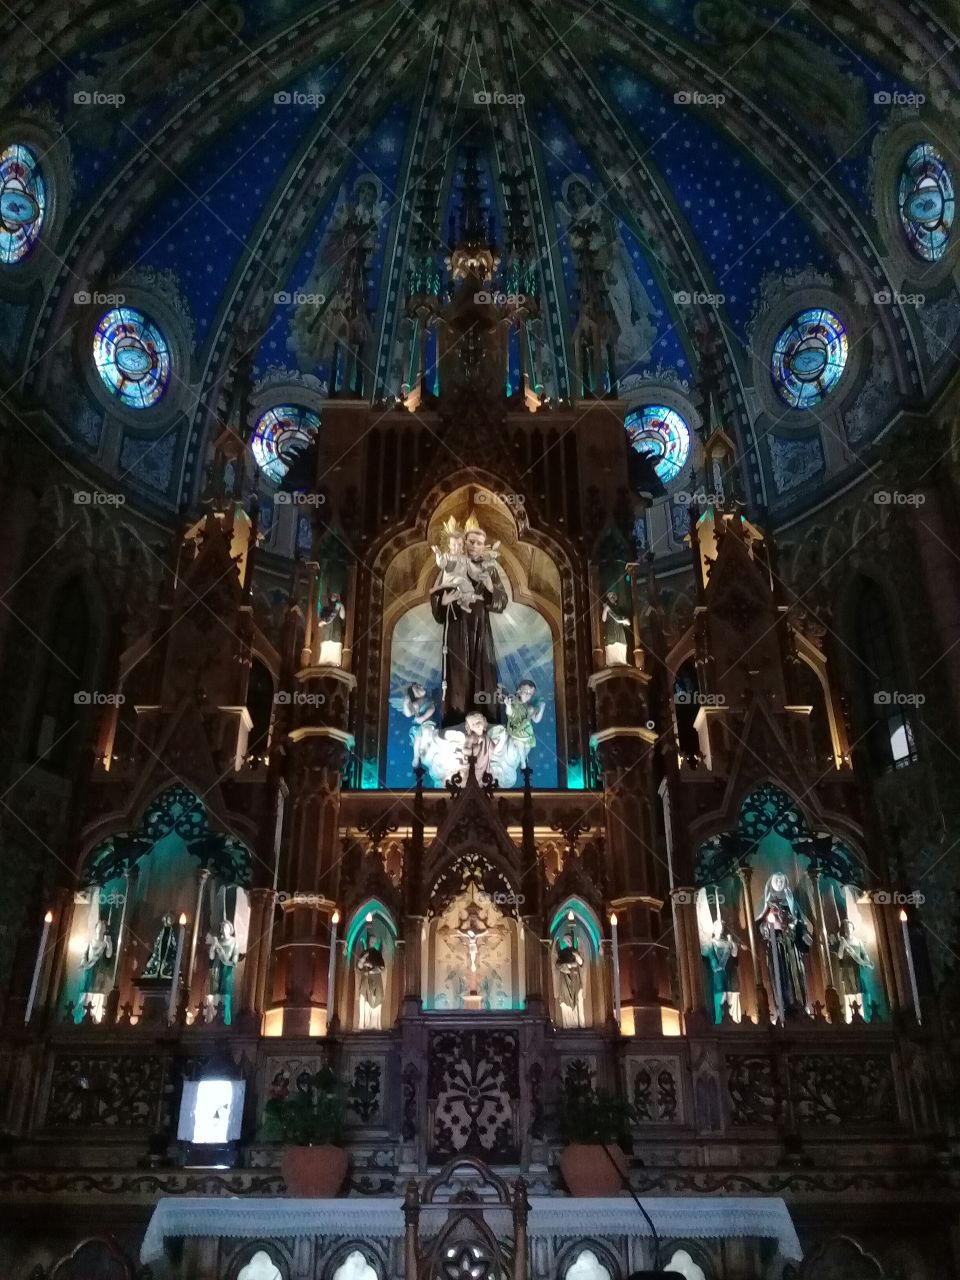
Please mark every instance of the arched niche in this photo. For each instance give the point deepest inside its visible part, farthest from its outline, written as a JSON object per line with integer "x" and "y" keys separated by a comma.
{"x": 528, "y": 638}
{"x": 353, "y": 1261}
{"x": 684, "y": 1263}
{"x": 371, "y": 991}
{"x": 802, "y": 904}
{"x": 575, "y": 966}
{"x": 258, "y": 1261}
{"x": 473, "y": 944}
{"x": 136, "y": 885}
{"x": 587, "y": 1261}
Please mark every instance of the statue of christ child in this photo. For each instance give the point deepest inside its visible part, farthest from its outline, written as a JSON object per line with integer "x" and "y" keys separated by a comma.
{"x": 454, "y": 585}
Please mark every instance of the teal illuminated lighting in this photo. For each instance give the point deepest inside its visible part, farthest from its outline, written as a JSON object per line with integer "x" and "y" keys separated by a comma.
{"x": 370, "y": 775}
{"x": 372, "y": 908}
{"x": 575, "y": 778}
{"x": 583, "y": 914}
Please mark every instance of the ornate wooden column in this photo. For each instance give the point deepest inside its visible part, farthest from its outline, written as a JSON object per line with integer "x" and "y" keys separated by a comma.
{"x": 625, "y": 744}
{"x": 318, "y": 746}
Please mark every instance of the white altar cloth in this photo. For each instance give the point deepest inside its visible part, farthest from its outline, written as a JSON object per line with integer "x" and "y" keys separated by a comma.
{"x": 694, "y": 1217}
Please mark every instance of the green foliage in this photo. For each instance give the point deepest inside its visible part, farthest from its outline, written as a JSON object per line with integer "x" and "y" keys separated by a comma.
{"x": 594, "y": 1116}
{"x": 310, "y": 1116}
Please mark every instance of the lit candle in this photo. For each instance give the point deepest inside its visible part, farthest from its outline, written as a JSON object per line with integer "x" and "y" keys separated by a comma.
{"x": 41, "y": 952}
{"x": 615, "y": 952}
{"x": 332, "y": 967}
{"x": 910, "y": 969}
{"x": 178, "y": 960}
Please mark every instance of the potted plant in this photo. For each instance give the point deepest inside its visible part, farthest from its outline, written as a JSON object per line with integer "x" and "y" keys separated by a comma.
{"x": 309, "y": 1120}
{"x": 596, "y": 1125}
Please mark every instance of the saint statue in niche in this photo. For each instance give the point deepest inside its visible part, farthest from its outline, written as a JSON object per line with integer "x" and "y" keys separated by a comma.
{"x": 469, "y": 669}
{"x": 331, "y": 624}
{"x": 569, "y": 964}
{"x": 853, "y": 959}
{"x": 615, "y": 630}
{"x": 789, "y": 936}
{"x": 160, "y": 962}
{"x": 95, "y": 962}
{"x": 721, "y": 954}
{"x": 224, "y": 953}
{"x": 604, "y": 264}
{"x": 370, "y": 985}
{"x": 467, "y": 592}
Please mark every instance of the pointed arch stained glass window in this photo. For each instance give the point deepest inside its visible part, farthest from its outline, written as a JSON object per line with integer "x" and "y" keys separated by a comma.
{"x": 663, "y": 435}
{"x": 809, "y": 357}
{"x": 132, "y": 357}
{"x": 280, "y": 436}
{"x": 23, "y": 202}
{"x": 926, "y": 201}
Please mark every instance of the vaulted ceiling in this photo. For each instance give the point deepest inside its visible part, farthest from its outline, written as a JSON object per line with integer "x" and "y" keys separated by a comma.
{"x": 743, "y": 159}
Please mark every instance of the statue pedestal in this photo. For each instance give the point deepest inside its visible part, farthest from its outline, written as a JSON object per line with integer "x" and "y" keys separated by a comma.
{"x": 154, "y": 1000}
{"x": 473, "y": 1001}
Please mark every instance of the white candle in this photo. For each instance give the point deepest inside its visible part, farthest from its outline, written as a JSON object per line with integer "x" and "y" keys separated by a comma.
{"x": 41, "y": 952}
{"x": 175, "y": 985}
{"x": 615, "y": 952}
{"x": 332, "y": 966}
{"x": 910, "y": 969}
{"x": 775, "y": 966}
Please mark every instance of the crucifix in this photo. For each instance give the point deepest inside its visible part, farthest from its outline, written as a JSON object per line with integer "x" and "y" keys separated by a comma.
{"x": 473, "y": 932}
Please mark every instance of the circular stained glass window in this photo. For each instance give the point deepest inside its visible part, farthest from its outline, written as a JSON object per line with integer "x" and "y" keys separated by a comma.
{"x": 23, "y": 202}
{"x": 132, "y": 357}
{"x": 808, "y": 358}
{"x": 926, "y": 200}
{"x": 280, "y": 436}
{"x": 663, "y": 435}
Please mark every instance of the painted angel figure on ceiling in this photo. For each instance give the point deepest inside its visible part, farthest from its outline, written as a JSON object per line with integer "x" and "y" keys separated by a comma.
{"x": 332, "y": 323}
{"x": 604, "y": 266}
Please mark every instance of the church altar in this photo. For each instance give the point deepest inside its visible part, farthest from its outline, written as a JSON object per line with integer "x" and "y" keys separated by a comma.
{"x": 552, "y": 1218}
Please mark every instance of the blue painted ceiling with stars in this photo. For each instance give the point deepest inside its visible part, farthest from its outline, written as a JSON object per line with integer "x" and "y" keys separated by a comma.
{"x": 229, "y": 151}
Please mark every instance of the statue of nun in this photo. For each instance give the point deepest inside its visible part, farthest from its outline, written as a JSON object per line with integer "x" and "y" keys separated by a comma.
{"x": 788, "y": 936}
